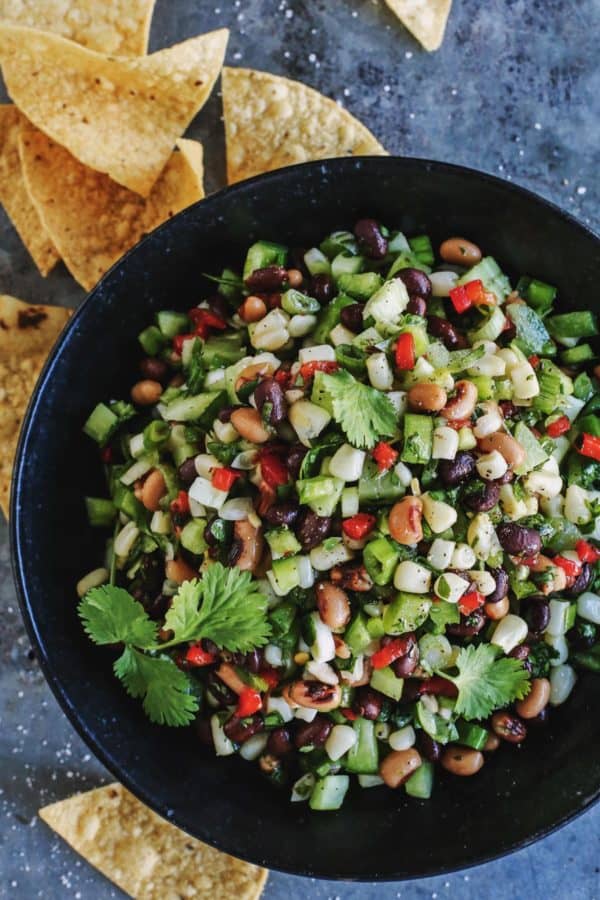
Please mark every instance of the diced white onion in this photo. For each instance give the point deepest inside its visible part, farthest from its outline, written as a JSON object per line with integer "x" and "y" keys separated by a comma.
{"x": 347, "y": 463}
{"x": 341, "y": 335}
{"x": 306, "y": 576}
{"x": 225, "y": 432}
{"x": 510, "y": 632}
{"x": 576, "y": 505}
{"x": 305, "y": 714}
{"x": 340, "y": 740}
{"x": 245, "y": 460}
{"x": 321, "y": 671}
{"x": 485, "y": 581}
{"x": 319, "y": 352}
{"x": 380, "y": 372}
{"x": 588, "y": 607}
{"x": 440, "y": 554}
{"x": 511, "y": 507}
{"x": 403, "y": 474}
{"x": 445, "y": 442}
{"x": 350, "y": 502}
{"x": 125, "y": 539}
{"x": 223, "y": 746}
{"x": 323, "y": 646}
{"x": 435, "y": 652}
{"x": 369, "y": 781}
{"x": 439, "y": 515}
{"x": 525, "y": 383}
{"x": 544, "y": 484}
{"x": 463, "y": 557}
{"x": 136, "y": 445}
{"x": 237, "y": 509}
{"x": 559, "y": 643}
{"x": 302, "y": 788}
{"x": 490, "y": 422}
{"x": 442, "y": 283}
{"x": 280, "y": 705}
{"x": 205, "y": 464}
{"x": 450, "y": 587}
{"x": 254, "y": 746}
{"x": 482, "y": 537}
{"x": 308, "y": 420}
{"x": 490, "y": 364}
{"x": 399, "y": 400}
{"x": 203, "y": 491}
{"x": 325, "y": 557}
{"x": 412, "y": 577}
{"x": 403, "y": 738}
{"x": 301, "y": 325}
{"x": 160, "y": 523}
{"x": 271, "y": 332}
{"x": 559, "y": 617}
{"x": 136, "y": 471}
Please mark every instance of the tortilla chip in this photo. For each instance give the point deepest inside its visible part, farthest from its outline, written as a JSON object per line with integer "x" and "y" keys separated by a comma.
{"x": 272, "y": 122}
{"x": 119, "y": 116}
{"x": 27, "y": 334}
{"x": 92, "y": 219}
{"x": 14, "y": 197}
{"x": 147, "y": 857}
{"x": 426, "y": 19}
{"x": 111, "y": 26}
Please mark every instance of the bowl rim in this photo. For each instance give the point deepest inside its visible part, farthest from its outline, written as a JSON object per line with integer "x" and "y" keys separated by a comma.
{"x": 61, "y": 691}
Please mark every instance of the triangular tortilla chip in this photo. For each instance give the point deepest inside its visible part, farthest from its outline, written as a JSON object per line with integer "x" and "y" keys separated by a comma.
{"x": 14, "y": 197}
{"x": 92, "y": 219}
{"x": 119, "y": 27}
{"x": 426, "y": 19}
{"x": 147, "y": 857}
{"x": 119, "y": 116}
{"x": 27, "y": 334}
{"x": 272, "y": 122}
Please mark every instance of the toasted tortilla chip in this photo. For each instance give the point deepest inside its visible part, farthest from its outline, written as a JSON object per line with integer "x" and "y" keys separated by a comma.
{"x": 426, "y": 19}
{"x": 119, "y": 116}
{"x": 14, "y": 197}
{"x": 119, "y": 27}
{"x": 147, "y": 857}
{"x": 92, "y": 219}
{"x": 272, "y": 122}
{"x": 27, "y": 334}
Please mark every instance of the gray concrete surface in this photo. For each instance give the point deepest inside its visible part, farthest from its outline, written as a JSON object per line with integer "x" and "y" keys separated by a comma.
{"x": 515, "y": 90}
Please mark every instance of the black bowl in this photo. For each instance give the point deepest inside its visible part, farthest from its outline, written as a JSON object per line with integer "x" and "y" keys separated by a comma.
{"x": 521, "y": 793}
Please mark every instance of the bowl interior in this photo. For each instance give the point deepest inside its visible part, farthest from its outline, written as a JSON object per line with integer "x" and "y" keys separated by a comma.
{"x": 521, "y": 793}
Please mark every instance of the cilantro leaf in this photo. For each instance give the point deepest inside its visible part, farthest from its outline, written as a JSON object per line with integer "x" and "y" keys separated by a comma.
{"x": 540, "y": 658}
{"x": 110, "y": 615}
{"x": 224, "y": 607}
{"x": 485, "y": 683}
{"x": 364, "y": 413}
{"x": 165, "y": 689}
{"x": 196, "y": 371}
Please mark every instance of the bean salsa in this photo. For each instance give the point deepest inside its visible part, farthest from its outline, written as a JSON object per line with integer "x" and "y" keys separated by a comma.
{"x": 353, "y": 510}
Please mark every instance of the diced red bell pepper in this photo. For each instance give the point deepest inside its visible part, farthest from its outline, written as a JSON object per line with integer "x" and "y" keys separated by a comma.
{"x": 249, "y": 702}
{"x": 106, "y": 455}
{"x": 405, "y": 352}
{"x": 269, "y": 675}
{"x": 558, "y": 427}
{"x": 273, "y": 470}
{"x": 469, "y": 602}
{"x": 385, "y": 456}
{"x": 349, "y": 714}
{"x": 204, "y": 321}
{"x": 457, "y": 424}
{"x": 394, "y": 650}
{"x": 307, "y": 370}
{"x": 359, "y": 526}
{"x": 586, "y": 552}
{"x": 181, "y": 504}
{"x": 464, "y": 296}
{"x": 571, "y": 567}
{"x": 534, "y": 360}
{"x": 224, "y": 478}
{"x": 439, "y": 686}
{"x": 284, "y": 378}
{"x": 590, "y": 446}
{"x": 179, "y": 340}
{"x": 530, "y": 561}
{"x": 197, "y": 656}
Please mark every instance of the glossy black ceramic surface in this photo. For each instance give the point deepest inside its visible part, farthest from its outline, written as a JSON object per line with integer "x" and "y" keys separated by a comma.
{"x": 522, "y": 793}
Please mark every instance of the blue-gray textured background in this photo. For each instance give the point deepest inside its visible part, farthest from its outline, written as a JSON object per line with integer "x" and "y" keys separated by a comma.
{"x": 515, "y": 90}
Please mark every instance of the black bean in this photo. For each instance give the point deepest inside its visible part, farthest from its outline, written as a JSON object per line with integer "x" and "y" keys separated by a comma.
{"x": 509, "y": 728}
{"x": 582, "y": 636}
{"x": 352, "y": 317}
{"x": 239, "y": 730}
{"x": 154, "y": 369}
{"x": 458, "y": 470}
{"x": 253, "y": 661}
{"x": 218, "y": 305}
{"x": 224, "y": 415}
{"x": 520, "y": 652}
{"x": 469, "y": 625}
{"x": 187, "y": 471}
{"x": 313, "y": 734}
{"x": 509, "y": 410}
{"x": 411, "y": 690}
{"x": 536, "y": 612}
{"x": 582, "y": 582}
{"x": 322, "y": 288}
{"x": 371, "y": 241}
{"x": 311, "y": 529}
{"x": 284, "y": 513}
{"x": 405, "y": 665}
{"x": 224, "y": 695}
{"x": 450, "y": 337}
{"x": 416, "y": 282}
{"x": 270, "y": 392}
{"x": 368, "y": 703}
{"x": 417, "y": 306}
{"x": 519, "y": 540}
{"x": 352, "y": 577}
{"x": 295, "y": 456}
{"x": 428, "y": 747}
{"x": 271, "y": 278}
{"x": 279, "y": 742}
{"x": 484, "y": 499}
{"x": 501, "y": 589}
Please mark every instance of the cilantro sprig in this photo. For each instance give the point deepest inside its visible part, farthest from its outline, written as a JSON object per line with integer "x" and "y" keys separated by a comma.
{"x": 485, "y": 683}
{"x": 364, "y": 413}
{"x": 223, "y": 606}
